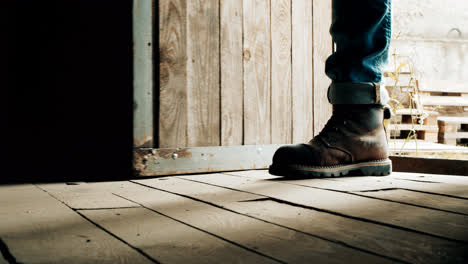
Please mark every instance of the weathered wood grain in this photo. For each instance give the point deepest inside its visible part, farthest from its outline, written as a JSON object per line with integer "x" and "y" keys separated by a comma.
{"x": 440, "y": 184}
{"x": 280, "y": 243}
{"x": 421, "y": 199}
{"x": 281, "y": 101}
{"x": 231, "y": 72}
{"x": 257, "y": 67}
{"x": 430, "y": 177}
{"x": 172, "y": 73}
{"x": 322, "y": 48}
{"x": 438, "y": 223}
{"x": 87, "y": 195}
{"x": 203, "y": 87}
{"x": 375, "y": 183}
{"x": 39, "y": 229}
{"x": 388, "y": 188}
{"x": 380, "y": 239}
{"x": 167, "y": 240}
{"x": 302, "y": 71}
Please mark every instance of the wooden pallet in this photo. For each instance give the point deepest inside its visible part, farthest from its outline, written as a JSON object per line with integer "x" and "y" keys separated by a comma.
{"x": 402, "y": 88}
{"x": 398, "y": 87}
{"x": 406, "y": 120}
{"x": 446, "y": 97}
{"x": 452, "y": 128}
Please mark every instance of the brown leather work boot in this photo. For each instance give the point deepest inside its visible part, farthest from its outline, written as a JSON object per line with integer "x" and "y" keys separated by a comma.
{"x": 353, "y": 141}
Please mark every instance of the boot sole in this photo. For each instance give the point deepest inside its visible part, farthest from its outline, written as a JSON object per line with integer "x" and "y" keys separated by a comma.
{"x": 368, "y": 168}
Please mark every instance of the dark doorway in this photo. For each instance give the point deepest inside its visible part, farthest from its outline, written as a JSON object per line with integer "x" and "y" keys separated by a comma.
{"x": 69, "y": 90}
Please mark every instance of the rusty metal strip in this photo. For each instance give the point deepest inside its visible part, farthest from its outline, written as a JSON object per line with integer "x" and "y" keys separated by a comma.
{"x": 168, "y": 161}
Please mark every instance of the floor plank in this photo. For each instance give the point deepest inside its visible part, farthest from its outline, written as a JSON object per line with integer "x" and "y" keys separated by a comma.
{"x": 379, "y": 239}
{"x": 87, "y": 195}
{"x": 167, "y": 240}
{"x": 437, "y": 223}
{"x": 39, "y": 229}
{"x": 387, "y": 188}
{"x": 431, "y": 177}
{"x": 421, "y": 199}
{"x": 367, "y": 183}
{"x": 374, "y": 183}
{"x": 280, "y": 243}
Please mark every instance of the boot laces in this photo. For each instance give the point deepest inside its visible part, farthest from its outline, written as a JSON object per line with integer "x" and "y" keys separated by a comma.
{"x": 331, "y": 126}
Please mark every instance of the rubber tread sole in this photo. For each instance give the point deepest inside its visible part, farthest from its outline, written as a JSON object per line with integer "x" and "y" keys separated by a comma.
{"x": 368, "y": 168}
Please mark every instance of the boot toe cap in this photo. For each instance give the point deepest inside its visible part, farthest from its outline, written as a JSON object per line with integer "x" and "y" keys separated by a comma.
{"x": 299, "y": 154}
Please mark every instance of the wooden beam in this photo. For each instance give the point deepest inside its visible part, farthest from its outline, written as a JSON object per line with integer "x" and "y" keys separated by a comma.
{"x": 143, "y": 73}
{"x": 428, "y": 165}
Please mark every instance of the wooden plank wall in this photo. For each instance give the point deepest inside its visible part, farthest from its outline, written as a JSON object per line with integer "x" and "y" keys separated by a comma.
{"x": 242, "y": 72}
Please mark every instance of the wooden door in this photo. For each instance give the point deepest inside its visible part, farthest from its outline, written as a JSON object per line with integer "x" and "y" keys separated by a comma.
{"x": 236, "y": 79}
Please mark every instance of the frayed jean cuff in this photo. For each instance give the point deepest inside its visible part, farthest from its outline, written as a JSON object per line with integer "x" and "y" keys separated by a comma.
{"x": 357, "y": 93}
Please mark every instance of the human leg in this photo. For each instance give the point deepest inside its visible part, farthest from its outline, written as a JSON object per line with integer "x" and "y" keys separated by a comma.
{"x": 354, "y": 139}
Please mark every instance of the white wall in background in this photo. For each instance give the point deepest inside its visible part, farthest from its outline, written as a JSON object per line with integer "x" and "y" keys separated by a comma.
{"x": 433, "y": 34}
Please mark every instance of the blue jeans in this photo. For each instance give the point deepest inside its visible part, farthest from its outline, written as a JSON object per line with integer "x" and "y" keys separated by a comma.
{"x": 361, "y": 30}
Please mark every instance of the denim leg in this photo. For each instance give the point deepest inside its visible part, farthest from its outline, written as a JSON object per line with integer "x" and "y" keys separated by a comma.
{"x": 361, "y": 30}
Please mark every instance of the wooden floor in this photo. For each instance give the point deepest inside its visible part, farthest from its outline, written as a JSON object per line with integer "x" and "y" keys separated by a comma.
{"x": 238, "y": 217}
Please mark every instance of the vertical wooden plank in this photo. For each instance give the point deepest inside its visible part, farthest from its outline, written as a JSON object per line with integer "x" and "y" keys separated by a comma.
{"x": 281, "y": 71}
{"x": 257, "y": 125}
{"x": 322, "y": 48}
{"x": 302, "y": 71}
{"x": 231, "y": 72}
{"x": 203, "y": 126}
{"x": 172, "y": 73}
{"x": 143, "y": 73}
